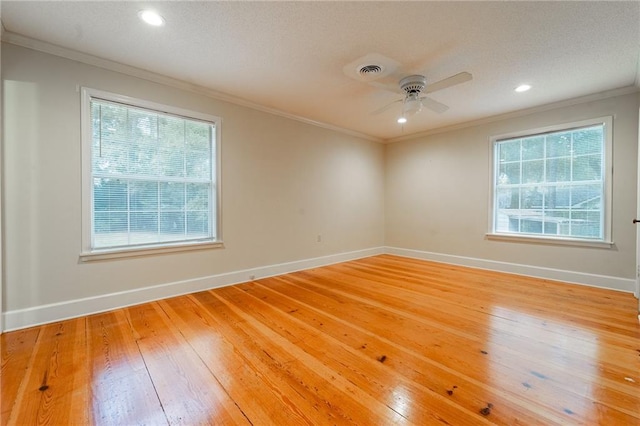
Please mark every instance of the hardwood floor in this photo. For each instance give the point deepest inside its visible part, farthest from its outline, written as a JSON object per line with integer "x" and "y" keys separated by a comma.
{"x": 377, "y": 341}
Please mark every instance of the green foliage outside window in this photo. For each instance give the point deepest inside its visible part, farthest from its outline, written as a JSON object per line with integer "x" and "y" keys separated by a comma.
{"x": 152, "y": 175}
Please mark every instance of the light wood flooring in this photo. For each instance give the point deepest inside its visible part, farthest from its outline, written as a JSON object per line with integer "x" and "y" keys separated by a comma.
{"x": 377, "y": 341}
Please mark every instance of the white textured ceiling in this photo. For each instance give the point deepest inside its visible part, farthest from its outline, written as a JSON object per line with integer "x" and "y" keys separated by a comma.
{"x": 289, "y": 56}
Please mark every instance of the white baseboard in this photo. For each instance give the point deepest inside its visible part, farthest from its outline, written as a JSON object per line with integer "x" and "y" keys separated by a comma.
{"x": 23, "y": 318}
{"x": 37, "y": 315}
{"x": 592, "y": 280}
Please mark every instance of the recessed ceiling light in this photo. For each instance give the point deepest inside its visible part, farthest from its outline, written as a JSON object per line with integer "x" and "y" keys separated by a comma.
{"x": 151, "y": 18}
{"x": 402, "y": 120}
{"x": 523, "y": 88}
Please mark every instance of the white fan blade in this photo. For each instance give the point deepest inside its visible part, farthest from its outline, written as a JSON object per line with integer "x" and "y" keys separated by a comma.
{"x": 433, "y": 105}
{"x": 448, "y": 82}
{"x": 386, "y": 107}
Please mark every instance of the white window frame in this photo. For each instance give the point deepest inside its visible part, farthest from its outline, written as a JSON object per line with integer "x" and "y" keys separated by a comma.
{"x": 606, "y": 241}
{"x": 88, "y": 253}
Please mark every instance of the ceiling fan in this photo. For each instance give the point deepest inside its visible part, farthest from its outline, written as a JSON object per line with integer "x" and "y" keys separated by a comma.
{"x": 413, "y": 87}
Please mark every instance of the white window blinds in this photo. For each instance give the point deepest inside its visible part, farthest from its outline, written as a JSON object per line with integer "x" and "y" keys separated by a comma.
{"x": 153, "y": 177}
{"x": 552, "y": 184}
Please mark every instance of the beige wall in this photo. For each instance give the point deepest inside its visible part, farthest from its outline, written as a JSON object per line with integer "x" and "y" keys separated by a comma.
{"x": 437, "y": 193}
{"x": 283, "y": 182}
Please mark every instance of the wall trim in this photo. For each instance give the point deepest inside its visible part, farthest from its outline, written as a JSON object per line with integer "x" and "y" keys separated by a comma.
{"x": 592, "y": 280}
{"x": 621, "y": 91}
{"x": 74, "y": 55}
{"x": 43, "y": 314}
{"x": 84, "y": 58}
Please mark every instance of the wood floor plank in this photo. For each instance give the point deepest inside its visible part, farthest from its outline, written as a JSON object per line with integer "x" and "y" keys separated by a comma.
{"x": 479, "y": 295}
{"x": 509, "y": 328}
{"x": 407, "y": 355}
{"x": 347, "y": 403}
{"x": 325, "y": 340}
{"x": 53, "y": 390}
{"x": 459, "y": 280}
{"x": 188, "y": 392}
{"x": 263, "y": 398}
{"x": 463, "y": 305}
{"x": 463, "y": 349}
{"x": 414, "y": 365}
{"x": 121, "y": 389}
{"x": 17, "y": 352}
{"x": 378, "y": 340}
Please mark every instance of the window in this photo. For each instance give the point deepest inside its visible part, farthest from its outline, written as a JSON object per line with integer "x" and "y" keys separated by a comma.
{"x": 150, "y": 175}
{"x": 554, "y": 183}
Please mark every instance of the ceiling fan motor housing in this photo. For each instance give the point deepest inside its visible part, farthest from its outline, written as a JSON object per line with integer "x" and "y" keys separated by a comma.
{"x": 413, "y": 84}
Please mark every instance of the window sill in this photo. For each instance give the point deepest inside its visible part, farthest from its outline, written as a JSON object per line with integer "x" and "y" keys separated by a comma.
{"x": 98, "y": 255}
{"x": 549, "y": 241}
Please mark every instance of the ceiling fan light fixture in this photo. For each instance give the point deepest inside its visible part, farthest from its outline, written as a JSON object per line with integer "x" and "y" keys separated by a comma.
{"x": 402, "y": 120}
{"x": 412, "y": 105}
{"x": 522, "y": 88}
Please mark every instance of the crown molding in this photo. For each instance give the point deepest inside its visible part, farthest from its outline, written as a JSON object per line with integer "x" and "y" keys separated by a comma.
{"x": 74, "y": 55}
{"x": 520, "y": 113}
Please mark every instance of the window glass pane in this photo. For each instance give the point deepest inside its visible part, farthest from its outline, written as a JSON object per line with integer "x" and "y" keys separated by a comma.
{"x": 588, "y": 141}
{"x": 110, "y": 141}
{"x": 198, "y": 136}
{"x": 587, "y": 167}
{"x": 144, "y": 196}
{"x": 556, "y": 222}
{"x": 556, "y": 188}
{"x": 172, "y": 196}
{"x": 144, "y": 227}
{"x": 509, "y": 173}
{"x": 143, "y": 126}
{"x": 532, "y": 197}
{"x": 171, "y": 162}
{"x": 533, "y": 171}
{"x": 111, "y": 229}
{"x": 509, "y": 151}
{"x": 172, "y": 146}
{"x": 109, "y": 195}
{"x": 172, "y": 225}
{"x": 198, "y": 196}
{"x": 197, "y": 223}
{"x": 586, "y": 196}
{"x": 531, "y": 224}
{"x": 586, "y": 223}
{"x": 143, "y": 158}
{"x": 508, "y": 209}
{"x": 504, "y": 198}
{"x": 557, "y": 196}
{"x": 198, "y": 164}
{"x": 533, "y": 148}
{"x": 558, "y": 144}
{"x": 558, "y": 169}
{"x": 152, "y": 176}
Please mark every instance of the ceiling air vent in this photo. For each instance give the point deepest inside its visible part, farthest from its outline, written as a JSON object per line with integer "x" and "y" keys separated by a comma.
{"x": 370, "y": 69}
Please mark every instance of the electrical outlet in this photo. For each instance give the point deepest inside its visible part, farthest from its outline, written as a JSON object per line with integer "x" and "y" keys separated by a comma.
{"x": 319, "y": 238}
